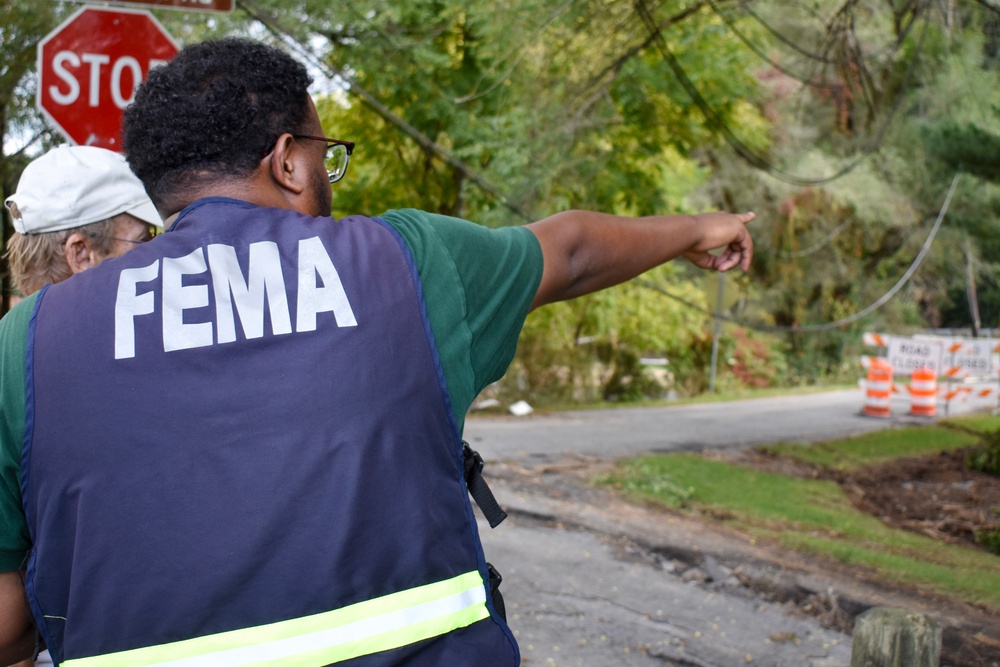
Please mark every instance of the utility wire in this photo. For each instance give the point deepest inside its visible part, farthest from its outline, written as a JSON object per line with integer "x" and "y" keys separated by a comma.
{"x": 813, "y": 328}
{"x": 990, "y": 6}
{"x": 616, "y": 65}
{"x": 763, "y": 56}
{"x": 285, "y": 35}
{"x": 475, "y": 94}
{"x": 425, "y": 142}
{"x": 273, "y": 26}
{"x": 819, "y": 244}
{"x": 741, "y": 148}
{"x": 781, "y": 37}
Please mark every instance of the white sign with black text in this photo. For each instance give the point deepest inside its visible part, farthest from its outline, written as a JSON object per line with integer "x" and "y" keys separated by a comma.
{"x": 907, "y": 355}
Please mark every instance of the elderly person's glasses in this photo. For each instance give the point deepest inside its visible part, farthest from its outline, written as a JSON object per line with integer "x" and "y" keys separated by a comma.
{"x": 338, "y": 155}
{"x": 148, "y": 233}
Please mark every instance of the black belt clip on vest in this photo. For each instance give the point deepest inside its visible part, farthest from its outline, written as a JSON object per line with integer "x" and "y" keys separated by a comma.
{"x": 478, "y": 488}
{"x": 491, "y": 509}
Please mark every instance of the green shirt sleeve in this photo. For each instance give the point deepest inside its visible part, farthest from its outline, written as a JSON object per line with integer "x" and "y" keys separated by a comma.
{"x": 478, "y": 286}
{"x": 14, "y": 539}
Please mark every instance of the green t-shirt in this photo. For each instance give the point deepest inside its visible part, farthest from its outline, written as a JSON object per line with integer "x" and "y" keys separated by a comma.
{"x": 478, "y": 287}
{"x": 14, "y": 538}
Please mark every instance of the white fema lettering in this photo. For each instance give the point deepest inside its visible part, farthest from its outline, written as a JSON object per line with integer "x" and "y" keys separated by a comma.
{"x": 319, "y": 290}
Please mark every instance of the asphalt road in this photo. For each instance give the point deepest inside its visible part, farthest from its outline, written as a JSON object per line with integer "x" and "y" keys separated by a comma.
{"x": 580, "y": 590}
{"x": 577, "y": 600}
{"x": 614, "y": 433}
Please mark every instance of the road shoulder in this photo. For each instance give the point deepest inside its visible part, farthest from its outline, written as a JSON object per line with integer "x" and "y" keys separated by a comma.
{"x": 553, "y": 492}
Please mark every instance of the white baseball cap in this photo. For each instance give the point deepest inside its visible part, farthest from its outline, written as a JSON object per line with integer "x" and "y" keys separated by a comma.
{"x": 72, "y": 186}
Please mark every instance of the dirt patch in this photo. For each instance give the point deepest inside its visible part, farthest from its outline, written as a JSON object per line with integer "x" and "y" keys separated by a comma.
{"x": 935, "y": 495}
{"x": 559, "y": 493}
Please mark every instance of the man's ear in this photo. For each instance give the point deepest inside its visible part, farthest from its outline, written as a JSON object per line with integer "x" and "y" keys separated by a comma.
{"x": 79, "y": 254}
{"x": 287, "y": 169}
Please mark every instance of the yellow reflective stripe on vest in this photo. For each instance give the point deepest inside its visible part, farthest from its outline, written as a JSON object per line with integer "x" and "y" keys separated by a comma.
{"x": 361, "y": 629}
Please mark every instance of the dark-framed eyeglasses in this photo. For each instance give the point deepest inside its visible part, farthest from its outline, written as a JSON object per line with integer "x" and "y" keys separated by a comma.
{"x": 338, "y": 155}
{"x": 150, "y": 232}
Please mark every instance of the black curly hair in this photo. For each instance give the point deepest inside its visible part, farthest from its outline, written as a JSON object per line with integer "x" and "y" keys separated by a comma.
{"x": 213, "y": 111}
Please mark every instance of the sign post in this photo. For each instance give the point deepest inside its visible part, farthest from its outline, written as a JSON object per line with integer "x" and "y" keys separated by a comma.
{"x": 90, "y": 66}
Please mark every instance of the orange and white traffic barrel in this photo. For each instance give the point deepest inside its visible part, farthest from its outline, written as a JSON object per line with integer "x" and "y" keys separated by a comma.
{"x": 878, "y": 388}
{"x": 923, "y": 392}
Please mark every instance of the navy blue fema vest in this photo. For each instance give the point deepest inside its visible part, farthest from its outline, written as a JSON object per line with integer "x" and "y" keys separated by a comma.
{"x": 240, "y": 449}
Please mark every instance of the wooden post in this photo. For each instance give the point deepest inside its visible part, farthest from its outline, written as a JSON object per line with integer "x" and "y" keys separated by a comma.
{"x": 887, "y": 637}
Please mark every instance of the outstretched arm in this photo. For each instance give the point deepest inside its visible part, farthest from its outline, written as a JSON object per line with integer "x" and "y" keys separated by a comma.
{"x": 585, "y": 252}
{"x": 17, "y": 632}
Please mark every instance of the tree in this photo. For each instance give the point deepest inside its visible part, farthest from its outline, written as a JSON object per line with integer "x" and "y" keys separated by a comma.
{"x": 849, "y": 187}
{"x": 22, "y": 25}
{"x": 821, "y": 118}
{"x": 557, "y": 105}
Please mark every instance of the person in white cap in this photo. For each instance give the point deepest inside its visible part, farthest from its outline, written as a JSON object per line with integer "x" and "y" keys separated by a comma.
{"x": 74, "y": 207}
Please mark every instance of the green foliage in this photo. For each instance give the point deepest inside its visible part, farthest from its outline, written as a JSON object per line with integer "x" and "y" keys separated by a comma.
{"x": 829, "y": 250}
{"x": 588, "y": 348}
{"x": 645, "y": 479}
{"x": 990, "y": 539}
{"x": 874, "y": 448}
{"x": 548, "y": 105}
{"x": 23, "y": 23}
{"x": 986, "y": 456}
{"x": 755, "y": 361}
{"x": 975, "y": 423}
{"x": 539, "y": 106}
{"x": 967, "y": 148}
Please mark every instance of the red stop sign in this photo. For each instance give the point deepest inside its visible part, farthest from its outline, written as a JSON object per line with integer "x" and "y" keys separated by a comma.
{"x": 90, "y": 66}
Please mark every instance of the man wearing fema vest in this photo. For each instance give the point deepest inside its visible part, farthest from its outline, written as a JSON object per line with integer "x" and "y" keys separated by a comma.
{"x": 240, "y": 443}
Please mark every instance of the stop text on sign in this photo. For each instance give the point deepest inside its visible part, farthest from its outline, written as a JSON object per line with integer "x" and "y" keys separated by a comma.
{"x": 126, "y": 73}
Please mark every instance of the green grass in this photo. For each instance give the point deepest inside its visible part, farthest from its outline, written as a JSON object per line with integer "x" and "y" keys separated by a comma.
{"x": 815, "y": 516}
{"x": 874, "y": 448}
{"x": 980, "y": 423}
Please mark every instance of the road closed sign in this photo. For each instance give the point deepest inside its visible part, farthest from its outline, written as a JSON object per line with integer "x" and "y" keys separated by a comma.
{"x": 970, "y": 358}
{"x": 907, "y": 355}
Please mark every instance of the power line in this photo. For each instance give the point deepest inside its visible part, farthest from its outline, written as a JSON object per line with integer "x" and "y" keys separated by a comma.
{"x": 425, "y": 142}
{"x": 763, "y": 56}
{"x": 989, "y": 5}
{"x": 826, "y": 326}
{"x": 782, "y": 38}
{"x": 476, "y": 94}
{"x": 819, "y": 244}
{"x": 741, "y": 148}
{"x": 619, "y": 62}
{"x": 286, "y": 36}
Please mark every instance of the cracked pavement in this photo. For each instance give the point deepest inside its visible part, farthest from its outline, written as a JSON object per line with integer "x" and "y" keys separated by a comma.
{"x": 576, "y": 602}
{"x": 593, "y": 581}
{"x": 581, "y": 593}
